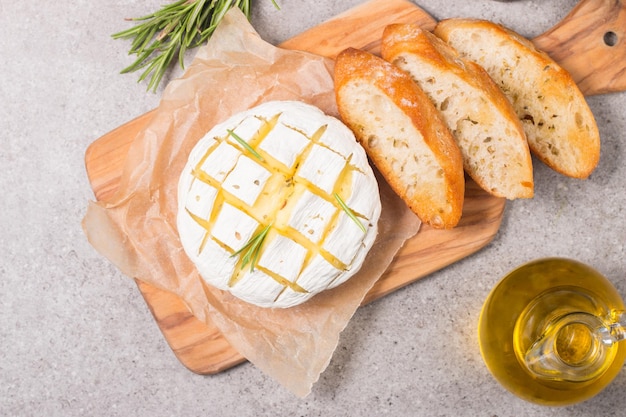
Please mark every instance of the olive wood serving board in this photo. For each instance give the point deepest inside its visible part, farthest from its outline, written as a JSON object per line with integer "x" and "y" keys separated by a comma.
{"x": 201, "y": 347}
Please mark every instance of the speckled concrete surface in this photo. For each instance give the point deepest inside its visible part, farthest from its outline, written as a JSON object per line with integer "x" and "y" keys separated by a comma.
{"x": 76, "y": 338}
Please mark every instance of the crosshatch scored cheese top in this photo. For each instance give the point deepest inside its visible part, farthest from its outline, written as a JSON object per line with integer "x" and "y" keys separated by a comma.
{"x": 278, "y": 203}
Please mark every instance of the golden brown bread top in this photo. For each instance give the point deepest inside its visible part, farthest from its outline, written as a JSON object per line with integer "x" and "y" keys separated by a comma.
{"x": 410, "y": 38}
{"x": 403, "y": 134}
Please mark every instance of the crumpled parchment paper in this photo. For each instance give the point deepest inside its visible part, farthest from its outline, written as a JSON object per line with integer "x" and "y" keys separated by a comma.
{"x": 136, "y": 228}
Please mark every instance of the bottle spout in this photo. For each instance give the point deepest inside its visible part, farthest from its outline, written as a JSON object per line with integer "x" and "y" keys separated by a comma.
{"x": 576, "y": 347}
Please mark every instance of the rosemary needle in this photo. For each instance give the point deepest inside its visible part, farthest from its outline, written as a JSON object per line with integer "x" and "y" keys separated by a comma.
{"x": 245, "y": 144}
{"x": 349, "y": 212}
{"x": 171, "y": 30}
{"x": 252, "y": 249}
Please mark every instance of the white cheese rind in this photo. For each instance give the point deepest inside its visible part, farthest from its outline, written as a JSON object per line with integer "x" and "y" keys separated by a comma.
{"x": 284, "y": 257}
{"x": 246, "y": 180}
{"x": 194, "y": 235}
{"x": 247, "y": 129}
{"x": 221, "y": 161}
{"x": 345, "y": 232}
{"x": 359, "y": 201}
{"x": 338, "y": 137}
{"x": 265, "y": 289}
{"x": 322, "y": 168}
{"x": 284, "y": 144}
{"x": 216, "y": 264}
{"x": 233, "y": 227}
{"x": 317, "y": 275}
{"x": 200, "y": 199}
{"x": 312, "y": 244}
{"x": 311, "y": 216}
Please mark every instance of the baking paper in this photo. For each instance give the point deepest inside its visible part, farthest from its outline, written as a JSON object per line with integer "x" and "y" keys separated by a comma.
{"x": 136, "y": 228}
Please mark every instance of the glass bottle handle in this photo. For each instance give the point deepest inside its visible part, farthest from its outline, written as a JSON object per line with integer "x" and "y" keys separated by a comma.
{"x": 616, "y": 329}
{"x": 576, "y": 347}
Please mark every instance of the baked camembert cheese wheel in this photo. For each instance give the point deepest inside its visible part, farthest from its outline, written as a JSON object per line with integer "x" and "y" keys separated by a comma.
{"x": 277, "y": 204}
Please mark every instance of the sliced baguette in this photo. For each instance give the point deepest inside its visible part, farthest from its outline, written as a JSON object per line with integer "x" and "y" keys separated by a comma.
{"x": 403, "y": 134}
{"x": 488, "y": 132}
{"x": 559, "y": 125}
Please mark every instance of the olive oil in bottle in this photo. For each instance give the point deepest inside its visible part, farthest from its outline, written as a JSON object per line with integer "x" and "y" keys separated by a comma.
{"x": 549, "y": 332}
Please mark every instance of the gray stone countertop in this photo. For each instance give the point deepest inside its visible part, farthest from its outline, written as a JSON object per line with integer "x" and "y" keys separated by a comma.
{"x": 76, "y": 337}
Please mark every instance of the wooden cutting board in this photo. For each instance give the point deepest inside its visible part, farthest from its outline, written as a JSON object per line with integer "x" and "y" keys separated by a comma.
{"x": 201, "y": 347}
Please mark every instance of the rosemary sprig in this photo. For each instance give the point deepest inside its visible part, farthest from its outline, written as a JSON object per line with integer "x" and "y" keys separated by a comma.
{"x": 349, "y": 212}
{"x": 245, "y": 144}
{"x": 171, "y": 30}
{"x": 252, "y": 249}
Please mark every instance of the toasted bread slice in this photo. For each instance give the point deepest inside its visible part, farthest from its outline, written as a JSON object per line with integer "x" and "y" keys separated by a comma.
{"x": 403, "y": 134}
{"x": 488, "y": 132}
{"x": 559, "y": 125}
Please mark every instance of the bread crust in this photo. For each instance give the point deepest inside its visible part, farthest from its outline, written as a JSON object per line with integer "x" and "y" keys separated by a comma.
{"x": 385, "y": 108}
{"x": 559, "y": 125}
{"x": 483, "y": 121}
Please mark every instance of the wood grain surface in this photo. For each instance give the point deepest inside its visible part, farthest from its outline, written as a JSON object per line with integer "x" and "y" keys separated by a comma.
{"x": 201, "y": 347}
{"x": 590, "y": 43}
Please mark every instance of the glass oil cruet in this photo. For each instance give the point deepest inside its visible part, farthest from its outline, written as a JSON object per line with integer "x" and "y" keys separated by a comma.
{"x": 550, "y": 332}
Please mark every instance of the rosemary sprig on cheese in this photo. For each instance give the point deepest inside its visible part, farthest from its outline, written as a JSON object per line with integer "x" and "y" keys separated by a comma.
{"x": 171, "y": 30}
{"x": 252, "y": 249}
{"x": 349, "y": 212}
{"x": 245, "y": 144}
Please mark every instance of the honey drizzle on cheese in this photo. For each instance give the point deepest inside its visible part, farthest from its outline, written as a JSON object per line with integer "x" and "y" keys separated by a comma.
{"x": 281, "y": 186}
